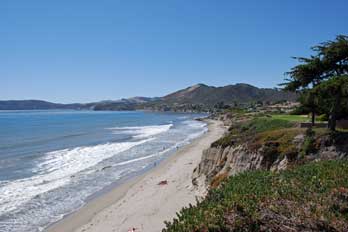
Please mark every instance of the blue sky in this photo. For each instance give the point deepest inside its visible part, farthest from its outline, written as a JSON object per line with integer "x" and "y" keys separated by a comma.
{"x": 81, "y": 51}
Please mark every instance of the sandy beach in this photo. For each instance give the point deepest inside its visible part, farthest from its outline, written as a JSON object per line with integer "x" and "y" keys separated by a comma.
{"x": 142, "y": 202}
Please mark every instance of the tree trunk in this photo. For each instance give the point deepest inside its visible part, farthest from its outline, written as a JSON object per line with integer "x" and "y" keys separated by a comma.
{"x": 333, "y": 113}
{"x": 313, "y": 117}
{"x": 332, "y": 122}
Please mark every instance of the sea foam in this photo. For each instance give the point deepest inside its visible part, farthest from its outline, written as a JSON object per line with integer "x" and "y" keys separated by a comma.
{"x": 143, "y": 131}
{"x": 57, "y": 169}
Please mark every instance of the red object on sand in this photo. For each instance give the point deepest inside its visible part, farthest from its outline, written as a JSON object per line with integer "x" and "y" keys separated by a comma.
{"x": 163, "y": 182}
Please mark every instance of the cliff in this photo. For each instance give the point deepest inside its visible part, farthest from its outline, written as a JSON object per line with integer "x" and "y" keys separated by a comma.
{"x": 273, "y": 150}
{"x": 219, "y": 162}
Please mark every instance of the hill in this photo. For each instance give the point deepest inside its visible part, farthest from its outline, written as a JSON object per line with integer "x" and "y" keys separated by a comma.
{"x": 199, "y": 97}
{"x": 35, "y": 105}
{"x": 230, "y": 94}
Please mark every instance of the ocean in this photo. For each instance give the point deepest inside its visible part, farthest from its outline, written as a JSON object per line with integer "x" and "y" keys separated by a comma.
{"x": 54, "y": 161}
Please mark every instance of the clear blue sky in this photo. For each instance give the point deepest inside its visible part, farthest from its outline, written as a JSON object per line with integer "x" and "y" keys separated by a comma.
{"x": 81, "y": 51}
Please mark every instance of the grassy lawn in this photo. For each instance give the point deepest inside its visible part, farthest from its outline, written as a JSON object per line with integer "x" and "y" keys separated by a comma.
{"x": 291, "y": 118}
{"x": 267, "y": 124}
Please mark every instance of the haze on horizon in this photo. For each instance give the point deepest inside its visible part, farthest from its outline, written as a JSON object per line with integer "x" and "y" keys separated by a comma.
{"x": 80, "y": 51}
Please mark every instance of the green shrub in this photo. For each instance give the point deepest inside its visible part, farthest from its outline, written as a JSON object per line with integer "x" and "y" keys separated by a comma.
{"x": 225, "y": 141}
{"x": 309, "y": 142}
{"x": 241, "y": 132}
{"x": 283, "y": 137}
{"x": 304, "y": 193}
{"x": 299, "y": 111}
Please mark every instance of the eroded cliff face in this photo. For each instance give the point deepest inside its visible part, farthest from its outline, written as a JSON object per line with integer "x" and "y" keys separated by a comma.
{"x": 231, "y": 161}
{"x": 219, "y": 162}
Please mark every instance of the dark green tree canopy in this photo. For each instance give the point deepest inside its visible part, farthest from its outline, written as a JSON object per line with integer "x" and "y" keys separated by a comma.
{"x": 331, "y": 59}
{"x": 335, "y": 55}
{"x": 311, "y": 71}
{"x": 322, "y": 80}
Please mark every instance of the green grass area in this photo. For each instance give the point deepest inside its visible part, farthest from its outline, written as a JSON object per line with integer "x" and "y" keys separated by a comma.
{"x": 314, "y": 195}
{"x": 267, "y": 124}
{"x": 236, "y": 111}
{"x": 291, "y": 118}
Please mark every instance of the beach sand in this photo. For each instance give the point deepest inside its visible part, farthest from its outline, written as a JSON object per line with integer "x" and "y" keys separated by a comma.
{"x": 142, "y": 202}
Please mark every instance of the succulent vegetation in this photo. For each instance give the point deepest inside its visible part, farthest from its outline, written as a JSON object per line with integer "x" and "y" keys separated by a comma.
{"x": 309, "y": 197}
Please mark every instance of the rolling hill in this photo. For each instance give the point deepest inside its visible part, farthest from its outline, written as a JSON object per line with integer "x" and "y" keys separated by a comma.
{"x": 196, "y": 95}
{"x": 240, "y": 93}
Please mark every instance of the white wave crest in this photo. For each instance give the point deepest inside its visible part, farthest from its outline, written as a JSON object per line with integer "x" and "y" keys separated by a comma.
{"x": 143, "y": 131}
{"x": 55, "y": 170}
{"x": 195, "y": 123}
{"x": 144, "y": 157}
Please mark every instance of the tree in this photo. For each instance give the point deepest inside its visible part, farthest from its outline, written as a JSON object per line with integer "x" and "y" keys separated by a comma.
{"x": 333, "y": 94}
{"x": 329, "y": 62}
{"x": 219, "y": 105}
{"x": 305, "y": 76}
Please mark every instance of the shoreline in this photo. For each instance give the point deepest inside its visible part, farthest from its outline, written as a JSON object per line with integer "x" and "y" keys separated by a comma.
{"x": 140, "y": 202}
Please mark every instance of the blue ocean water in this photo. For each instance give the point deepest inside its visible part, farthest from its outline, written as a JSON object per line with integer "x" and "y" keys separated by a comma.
{"x": 52, "y": 162}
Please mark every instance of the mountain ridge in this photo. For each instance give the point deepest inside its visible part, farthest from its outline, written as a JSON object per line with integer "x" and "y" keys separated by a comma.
{"x": 229, "y": 94}
{"x": 199, "y": 94}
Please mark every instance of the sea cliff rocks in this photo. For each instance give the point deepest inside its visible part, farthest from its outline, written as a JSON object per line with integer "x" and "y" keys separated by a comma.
{"x": 218, "y": 162}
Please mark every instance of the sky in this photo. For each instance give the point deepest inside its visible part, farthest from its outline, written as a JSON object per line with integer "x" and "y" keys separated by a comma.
{"x": 83, "y": 51}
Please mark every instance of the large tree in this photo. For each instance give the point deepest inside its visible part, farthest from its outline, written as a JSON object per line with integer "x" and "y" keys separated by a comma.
{"x": 303, "y": 77}
{"x": 329, "y": 62}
